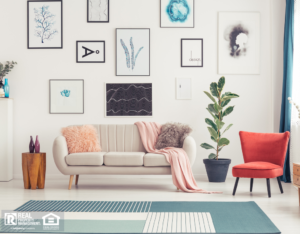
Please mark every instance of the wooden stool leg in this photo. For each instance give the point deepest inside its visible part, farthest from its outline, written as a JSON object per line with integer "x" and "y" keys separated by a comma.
{"x": 71, "y": 181}
{"x": 25, "y": 172}
{"x": 42, "y": 172}
{"x": 76, "y": 181}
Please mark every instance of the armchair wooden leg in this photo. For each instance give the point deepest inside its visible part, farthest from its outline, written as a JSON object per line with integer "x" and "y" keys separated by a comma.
{"x": 280, "y": 185}
{"x": 76, "y": 180}
{"x": 251, "y": 184}
{"x": 71, "y": 181}
{"x": 268, "y": 186}
{"x": 235, "y": 185}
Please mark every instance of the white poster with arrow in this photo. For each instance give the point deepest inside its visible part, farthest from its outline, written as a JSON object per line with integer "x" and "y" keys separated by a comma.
{"x": 90, "y": 51}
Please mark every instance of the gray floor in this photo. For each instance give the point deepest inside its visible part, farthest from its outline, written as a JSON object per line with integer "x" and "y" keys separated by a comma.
{"x": 282, "y": 209}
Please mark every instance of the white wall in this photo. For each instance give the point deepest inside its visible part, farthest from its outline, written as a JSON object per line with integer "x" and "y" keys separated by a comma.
{"x": 29, "y": 81}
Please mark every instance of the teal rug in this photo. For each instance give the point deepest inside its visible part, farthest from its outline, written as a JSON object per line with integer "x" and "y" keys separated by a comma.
{"x": 152, "y": 217}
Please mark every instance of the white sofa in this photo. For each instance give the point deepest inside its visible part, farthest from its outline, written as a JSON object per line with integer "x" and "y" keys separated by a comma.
{"x": 122, "y": 153}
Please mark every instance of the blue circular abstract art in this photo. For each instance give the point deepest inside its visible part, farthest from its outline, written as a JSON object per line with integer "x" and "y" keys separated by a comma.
{"x": 178, "y": 10}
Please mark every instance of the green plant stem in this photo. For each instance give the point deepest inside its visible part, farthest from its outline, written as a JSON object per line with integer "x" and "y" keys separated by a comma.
{"x": 218, "y": 128}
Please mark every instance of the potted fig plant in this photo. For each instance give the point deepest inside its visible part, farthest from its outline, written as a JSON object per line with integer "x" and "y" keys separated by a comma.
{"x": 216, "y": 167}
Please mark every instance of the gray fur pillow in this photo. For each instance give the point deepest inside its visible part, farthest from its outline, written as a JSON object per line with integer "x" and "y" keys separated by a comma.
{"x": 172, "y": 135}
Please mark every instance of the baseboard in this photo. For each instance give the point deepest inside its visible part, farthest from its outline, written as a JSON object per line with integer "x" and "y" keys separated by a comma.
{"x": 88, "y": 177}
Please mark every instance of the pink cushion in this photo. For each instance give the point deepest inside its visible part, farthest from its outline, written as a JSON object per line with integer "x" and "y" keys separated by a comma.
{"x": 81, "y": 139}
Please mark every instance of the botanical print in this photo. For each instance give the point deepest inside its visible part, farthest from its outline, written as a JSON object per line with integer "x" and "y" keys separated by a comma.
{"x": 98, "y": 10}
{"x": 44, "y": 23}
{"x": 178, "y": 10}
{"x": 65, "y": 93}
{"x": 125, "y": 99}
{"x": 133, "y": 57}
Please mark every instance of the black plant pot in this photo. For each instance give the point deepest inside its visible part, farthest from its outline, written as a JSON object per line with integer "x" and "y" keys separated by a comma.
{"x": 217, "y": 169}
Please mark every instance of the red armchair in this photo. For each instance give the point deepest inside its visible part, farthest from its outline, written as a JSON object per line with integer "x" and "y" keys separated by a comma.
{"x": 264, "y": 155}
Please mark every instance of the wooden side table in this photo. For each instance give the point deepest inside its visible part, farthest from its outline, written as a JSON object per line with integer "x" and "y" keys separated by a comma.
{"x": 34, "y": 170}
{"x": 296, "y": 177}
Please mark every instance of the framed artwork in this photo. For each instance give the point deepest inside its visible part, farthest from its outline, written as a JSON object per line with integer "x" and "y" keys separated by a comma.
{"x": 239, "y": 43}
{"x": 192, "y": 52}
{"x": 176, "y": 13}
{"x": 133, "y": 52}
{"x": 128, "y": 100}
{"x": 90, "y": 51}
{"x": 44, "y": 25}
{"x": 66, "y": 96}
{"x": 97, "y": 11}
{"x": 183, "y": 88}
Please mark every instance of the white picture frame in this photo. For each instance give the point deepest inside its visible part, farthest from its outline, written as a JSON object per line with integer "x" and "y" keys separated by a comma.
{"x": 109, "y": 100}
{"x": 170, "y": 18}
{"x": 239, "y": 43}
{"x": 66, "y": 96}
{"x": 133, "y": 43}
{"x": 183, "y": 88}
{"x": 45, "y": 24}
{"x": 90, "y": 51}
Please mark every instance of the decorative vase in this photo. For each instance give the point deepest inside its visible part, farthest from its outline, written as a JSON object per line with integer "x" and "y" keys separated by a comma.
{"x": 31, "y": 145}
{"x": 37, "y": 145}
{"x": 6, "y": 88}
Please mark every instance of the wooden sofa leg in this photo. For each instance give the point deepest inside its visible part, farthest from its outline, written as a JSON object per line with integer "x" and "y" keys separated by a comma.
{"x": 71, "y": 181}
{"x": 76, "y": 181}
{"x": 178, "y": 189}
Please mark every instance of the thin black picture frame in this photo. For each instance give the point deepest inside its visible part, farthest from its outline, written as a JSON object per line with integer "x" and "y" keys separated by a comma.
{"x": 117, "y": 50}
{"x": 61, "y": 1}
{"x": 186, "y": 39}
{"x": 66, "y": 80}
{"x": 88, "y": 11}
{"x": 180, "y": 27}
{"x": 90, "y": 61}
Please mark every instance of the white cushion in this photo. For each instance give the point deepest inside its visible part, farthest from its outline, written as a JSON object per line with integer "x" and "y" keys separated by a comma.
{"x": 155, "y": 160}
{"x": 85, "y": 159}
{"x": 124, "y": 158}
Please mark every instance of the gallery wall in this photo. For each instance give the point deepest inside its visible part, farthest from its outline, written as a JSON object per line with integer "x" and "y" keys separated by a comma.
{"x": 29, "y": 82}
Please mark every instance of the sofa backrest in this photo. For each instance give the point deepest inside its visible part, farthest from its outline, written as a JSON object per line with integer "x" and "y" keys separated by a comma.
{"x": 119, "y": 138}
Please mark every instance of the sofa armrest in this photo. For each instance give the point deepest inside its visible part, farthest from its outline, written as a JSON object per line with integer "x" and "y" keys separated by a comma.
{"x": 60, "y": 151}
{"x": 189, "y": 146}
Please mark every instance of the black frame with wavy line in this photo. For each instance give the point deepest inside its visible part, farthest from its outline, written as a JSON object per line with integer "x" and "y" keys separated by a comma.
{"x": 61, "y": 25}
{"x": 88, "y": 11}
{"x": 117, "y": 51}
{"x": 128, "y": 83}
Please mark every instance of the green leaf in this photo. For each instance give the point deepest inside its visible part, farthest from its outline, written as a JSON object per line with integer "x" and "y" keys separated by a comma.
{"x": 212, "y": 156}
{"x": 228, "y": 110}
{"x": 221, "y": 84}
{"x": 211, "y": 123}
{"x": 217, "y": 107}
{"x": 225, "y": 102}
{"x": 229, "y": 96}
{"x": 206, "y": 146}
{"x": 213, "y": 139}
{"x": 214, "y": 89}
{"x": 229, "y": 126}
{"x": 215, "y": 117}
{"x": 209, "y": 95}
{"x": 220, "y": 124}
{"x": 223, "y": 141}
{"x": 212, "y": 132}
{"x": 212, "y": 109}
{"x": 220, "y": 149}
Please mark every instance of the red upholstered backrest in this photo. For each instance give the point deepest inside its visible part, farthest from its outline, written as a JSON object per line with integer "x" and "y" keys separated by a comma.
{"x": 265, "y": 147}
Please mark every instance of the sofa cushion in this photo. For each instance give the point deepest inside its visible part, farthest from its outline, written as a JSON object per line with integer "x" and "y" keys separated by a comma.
{"x": 124, "y": 158}
{"x": 85, "y": 159}
{"x": 155, "y": 160}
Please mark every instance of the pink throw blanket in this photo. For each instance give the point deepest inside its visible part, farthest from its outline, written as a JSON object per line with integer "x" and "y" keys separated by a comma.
{"x": 181, "y": 169}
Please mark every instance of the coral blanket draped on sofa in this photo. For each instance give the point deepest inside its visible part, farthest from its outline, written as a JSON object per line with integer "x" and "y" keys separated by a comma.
{"x": 181, "y": 169}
